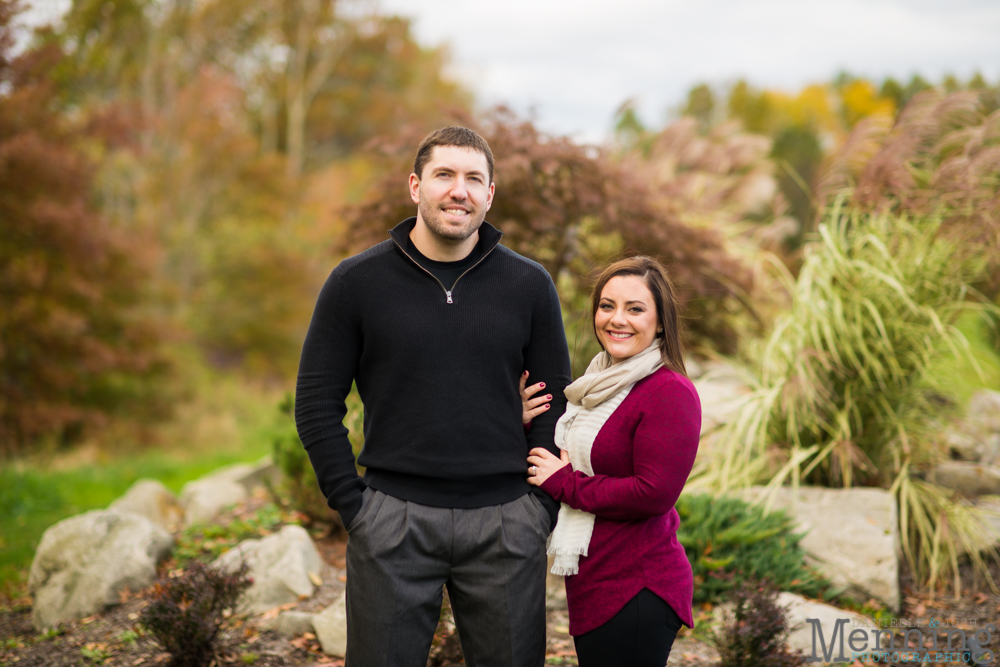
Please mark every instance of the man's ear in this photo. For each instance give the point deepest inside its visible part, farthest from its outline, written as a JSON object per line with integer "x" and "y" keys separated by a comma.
{"x": 489, "y": 197}
{"x": 415, "y": 189}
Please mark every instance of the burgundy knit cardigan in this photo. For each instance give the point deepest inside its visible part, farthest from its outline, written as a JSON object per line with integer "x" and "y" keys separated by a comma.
{"x": 641, "y": 458}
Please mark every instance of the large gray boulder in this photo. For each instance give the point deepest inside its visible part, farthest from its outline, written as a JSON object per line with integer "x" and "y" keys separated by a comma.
{"x": 976, "y": 437}
{"x": 85, "y": 562}
{"x": 283, "y": 566}
{"x": 204, "y": 498}
{"x": 826, "y": 620}
{"x": 852, "y": 536}
{"x": 969, "y": 479}
{"x": 291, "y": 623}
{"x": 331, "y": 627}
{"x": 722, "y": 390}
{"x": 151, "y": 499}
{"x": 983, "y": 412}
{"x": 990, "y": 515}
{"x": 248, "y": 475}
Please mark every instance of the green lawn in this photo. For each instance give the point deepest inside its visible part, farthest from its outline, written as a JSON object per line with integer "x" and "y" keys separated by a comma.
{"x": 960, "y": 376}
{"x": 229, "y": 424}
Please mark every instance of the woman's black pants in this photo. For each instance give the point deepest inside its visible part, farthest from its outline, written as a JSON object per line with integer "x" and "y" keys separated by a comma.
{"x": 640, "y": 635}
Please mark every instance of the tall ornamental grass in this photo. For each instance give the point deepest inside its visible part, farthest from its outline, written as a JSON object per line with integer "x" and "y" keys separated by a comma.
{"x": 845, "y": 396}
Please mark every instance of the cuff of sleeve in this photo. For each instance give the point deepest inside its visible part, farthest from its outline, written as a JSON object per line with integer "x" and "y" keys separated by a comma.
{"x": 551, "y": 506}
{"x": 349, "y": 509}
{"x": 553, "y": 485}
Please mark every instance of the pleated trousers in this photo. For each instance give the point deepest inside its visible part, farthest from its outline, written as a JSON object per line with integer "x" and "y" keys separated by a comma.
{"x": 401, "y": 554}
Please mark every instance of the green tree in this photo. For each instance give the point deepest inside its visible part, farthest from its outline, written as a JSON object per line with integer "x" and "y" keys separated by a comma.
{"x": 700, "y": 106}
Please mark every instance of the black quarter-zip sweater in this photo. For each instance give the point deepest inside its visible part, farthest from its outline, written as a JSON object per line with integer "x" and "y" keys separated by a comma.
{"x": 437, "y": 368}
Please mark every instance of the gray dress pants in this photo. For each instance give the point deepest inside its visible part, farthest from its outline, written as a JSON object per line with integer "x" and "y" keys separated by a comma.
{"x": 492, "y": 559}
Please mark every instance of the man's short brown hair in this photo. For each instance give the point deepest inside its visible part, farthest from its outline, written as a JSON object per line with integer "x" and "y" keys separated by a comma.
{"x": 455, "y": 135}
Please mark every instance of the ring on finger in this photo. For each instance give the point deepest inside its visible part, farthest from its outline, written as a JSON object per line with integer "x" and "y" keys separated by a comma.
{"x": 532, "y": 471}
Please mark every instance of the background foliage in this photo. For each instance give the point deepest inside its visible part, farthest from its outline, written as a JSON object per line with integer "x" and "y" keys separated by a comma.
{"x": 178, "y": 178}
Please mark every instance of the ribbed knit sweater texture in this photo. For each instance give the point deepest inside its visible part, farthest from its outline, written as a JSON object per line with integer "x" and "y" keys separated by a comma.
{"x": 641, "y": 459}
{"x": 439, "y": 380}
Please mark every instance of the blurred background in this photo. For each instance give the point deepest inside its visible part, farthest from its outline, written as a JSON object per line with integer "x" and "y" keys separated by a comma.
{"x": 178, "y": 177}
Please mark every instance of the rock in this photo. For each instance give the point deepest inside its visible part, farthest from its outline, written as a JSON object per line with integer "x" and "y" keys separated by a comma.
{"x": 852, "y": 536}
{"x": 249, "y": 475}
{"x": 983, "y": 412}
{"x": 694, "y": 369}
{"x": 331, "y": 627}
{"x": 970, "y": 479}
{"x": 151, "y": 499}
{"x": 963, "y": 446}
{"x": 991, "y": 450}
{"x": 991, "y": 516}
{"x": 204, "y": 498}
{"x": 283, "y": 567}
{"x": 84, "y": 563}
{"x": 801, "y": 636}
{"x": 721, "y": 390}
{"x": 291, "y": 623}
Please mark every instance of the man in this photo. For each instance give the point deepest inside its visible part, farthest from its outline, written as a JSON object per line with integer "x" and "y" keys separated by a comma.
{"x": 436, "y": 325}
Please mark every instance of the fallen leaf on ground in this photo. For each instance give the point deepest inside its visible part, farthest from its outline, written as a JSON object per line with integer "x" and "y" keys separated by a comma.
{"x": 274, "y": 611}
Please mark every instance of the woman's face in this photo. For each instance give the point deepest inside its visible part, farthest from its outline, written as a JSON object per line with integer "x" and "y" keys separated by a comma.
{"x": 626, "y": 321}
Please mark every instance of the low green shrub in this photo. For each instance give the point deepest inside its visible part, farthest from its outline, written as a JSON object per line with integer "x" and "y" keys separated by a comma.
{"x": 187, "y": 611}
{"x": 729, "y": 541}
{"x": 298, "y": 486}
{"x": 204, "y": 542}
{"x": 754, "y": 632}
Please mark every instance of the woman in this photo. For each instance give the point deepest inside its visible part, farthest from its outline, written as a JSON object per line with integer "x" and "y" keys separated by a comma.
{"x": 629, "y": 438}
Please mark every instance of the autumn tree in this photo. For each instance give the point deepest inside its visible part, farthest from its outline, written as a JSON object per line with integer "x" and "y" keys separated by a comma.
{"x": 74, "y": 348}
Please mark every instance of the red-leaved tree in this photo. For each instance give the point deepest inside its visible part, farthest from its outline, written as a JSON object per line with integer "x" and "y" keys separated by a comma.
{"x": 72, "y": 348}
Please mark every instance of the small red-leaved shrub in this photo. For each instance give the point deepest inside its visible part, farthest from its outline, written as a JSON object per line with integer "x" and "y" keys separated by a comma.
{"x": 187, "y": 611}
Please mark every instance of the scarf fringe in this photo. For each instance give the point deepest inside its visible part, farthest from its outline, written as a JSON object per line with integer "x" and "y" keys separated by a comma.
{"x": 568, "y": 551}
{"x": 567, "y": 569}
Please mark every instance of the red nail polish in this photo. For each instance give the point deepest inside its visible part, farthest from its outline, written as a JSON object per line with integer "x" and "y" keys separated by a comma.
{"x": 546, "y": 407}
{"x": 549, "y": 397}
{"x": 541, "y": 385}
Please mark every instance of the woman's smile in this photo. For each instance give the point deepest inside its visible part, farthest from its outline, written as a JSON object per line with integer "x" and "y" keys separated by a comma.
{"x": 626, "y": 322}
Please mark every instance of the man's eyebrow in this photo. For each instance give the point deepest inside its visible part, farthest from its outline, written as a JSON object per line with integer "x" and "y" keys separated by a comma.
{"x": 450, "y": 170}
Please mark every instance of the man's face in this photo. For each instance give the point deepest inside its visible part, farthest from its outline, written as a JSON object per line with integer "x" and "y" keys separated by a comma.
{"x": 454, "y": 192}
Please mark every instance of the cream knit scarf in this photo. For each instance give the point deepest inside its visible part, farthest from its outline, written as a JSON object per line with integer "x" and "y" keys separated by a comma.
{"x": 591, "y": 400}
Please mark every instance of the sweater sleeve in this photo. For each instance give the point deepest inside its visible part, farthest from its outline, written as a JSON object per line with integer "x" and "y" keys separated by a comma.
{"x": 546, "y": 358}
{"x": 327, "y": 368}
{"x": 664, "y": 445}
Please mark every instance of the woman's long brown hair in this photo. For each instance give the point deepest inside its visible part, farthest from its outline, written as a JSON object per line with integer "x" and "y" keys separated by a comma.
{"x": 662, "y": 289}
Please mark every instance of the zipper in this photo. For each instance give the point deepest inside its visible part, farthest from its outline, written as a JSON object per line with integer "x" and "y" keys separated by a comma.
{"x": 447, "y": 292}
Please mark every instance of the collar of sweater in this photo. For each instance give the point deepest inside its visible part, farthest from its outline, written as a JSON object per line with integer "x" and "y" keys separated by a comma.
{"x": 491, "y": 235}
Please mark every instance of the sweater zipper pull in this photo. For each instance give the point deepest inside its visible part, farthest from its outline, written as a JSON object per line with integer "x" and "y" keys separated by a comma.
{"x": 448, "y": 293}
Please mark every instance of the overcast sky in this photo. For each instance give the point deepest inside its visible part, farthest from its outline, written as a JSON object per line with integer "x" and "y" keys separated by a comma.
{"x": 575, "y": 61}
